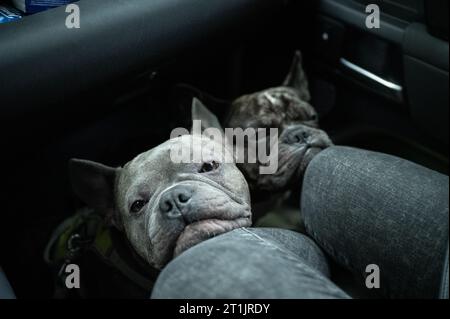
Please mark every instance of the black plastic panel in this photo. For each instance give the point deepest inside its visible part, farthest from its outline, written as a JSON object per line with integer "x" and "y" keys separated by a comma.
{"x": 329, "y": 39}
{"x": 420, "y": 44}
{"x": 407, "y": 10}
{"x": 353, "y": 14}
{"x": 427, "y": 88}
{"x": 437, "y": 16}
{"x": 42, "y": 61}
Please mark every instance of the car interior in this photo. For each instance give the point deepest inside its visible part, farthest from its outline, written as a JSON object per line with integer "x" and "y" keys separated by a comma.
{"x": 120, "y": 83}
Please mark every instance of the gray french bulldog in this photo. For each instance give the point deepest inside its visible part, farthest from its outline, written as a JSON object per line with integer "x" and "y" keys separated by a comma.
{"x": 163, "y": 207}
{"x": 287, "y": 108}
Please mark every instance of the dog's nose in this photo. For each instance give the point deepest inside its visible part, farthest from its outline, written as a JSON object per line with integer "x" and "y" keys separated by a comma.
{"x": 173, "y": 203}
{"x": 299, "y": 136}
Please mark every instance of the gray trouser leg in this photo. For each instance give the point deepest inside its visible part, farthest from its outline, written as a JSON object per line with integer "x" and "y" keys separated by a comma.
{"x": 367, "y": 208}
{"x": 249, "y": 263}
{"x": 6, "y": 291}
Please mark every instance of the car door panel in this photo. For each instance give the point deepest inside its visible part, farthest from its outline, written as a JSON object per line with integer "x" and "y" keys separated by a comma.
{"x": 404, "y": 63}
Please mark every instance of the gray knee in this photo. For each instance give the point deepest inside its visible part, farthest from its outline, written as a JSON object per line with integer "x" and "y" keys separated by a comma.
{"x": 249, "y": 263}
{"x": 364, "y": 207}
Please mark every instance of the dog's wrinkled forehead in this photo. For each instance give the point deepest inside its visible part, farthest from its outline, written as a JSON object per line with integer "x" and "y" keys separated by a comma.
{"x": 159, "y": 162}
{"x": 273, "y": 107}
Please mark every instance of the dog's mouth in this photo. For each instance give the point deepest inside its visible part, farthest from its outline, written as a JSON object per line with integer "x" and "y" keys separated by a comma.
{"x": 302, "y": 153}
{"x": 229, "y": 212}
{"x": 293, "y": 160}
{"x": 290, "y": 157}
{"x": 202, "y": 230}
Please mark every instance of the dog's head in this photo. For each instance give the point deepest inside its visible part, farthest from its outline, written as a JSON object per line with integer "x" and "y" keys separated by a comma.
{"x": 280, "y": 107}
{"x": 287, "y": 109}
{"x": 166, "y": 207}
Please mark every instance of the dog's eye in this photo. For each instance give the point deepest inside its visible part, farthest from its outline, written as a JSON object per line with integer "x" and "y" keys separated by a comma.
{"x": 209, "y": 167}
{"x": 137, "y": 206}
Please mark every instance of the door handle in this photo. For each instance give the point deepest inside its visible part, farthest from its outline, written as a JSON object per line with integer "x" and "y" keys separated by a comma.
{"x": 380, "y": 84}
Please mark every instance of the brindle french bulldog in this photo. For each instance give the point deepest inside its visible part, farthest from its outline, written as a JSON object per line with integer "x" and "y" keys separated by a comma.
{"x": 286, "y": 108}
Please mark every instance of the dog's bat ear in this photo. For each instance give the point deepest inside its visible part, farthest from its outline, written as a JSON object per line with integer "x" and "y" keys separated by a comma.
{"x": 297, "y": 78}
{"x": 94, "y": 183}
{"x": 201, "y": 113}
{"x": 208, "y": 121}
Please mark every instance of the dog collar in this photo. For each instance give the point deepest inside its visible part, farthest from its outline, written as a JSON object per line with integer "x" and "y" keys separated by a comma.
{"x": 86, "y": 232}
